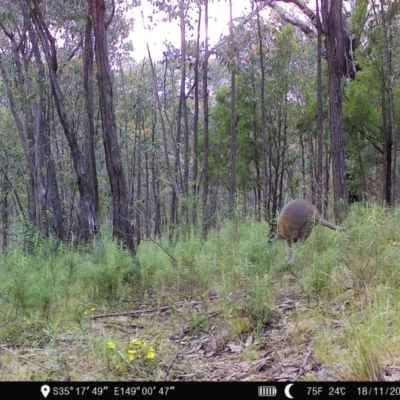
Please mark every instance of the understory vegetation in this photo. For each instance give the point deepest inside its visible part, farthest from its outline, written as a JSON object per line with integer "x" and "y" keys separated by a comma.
{"x": 98, "y": 313}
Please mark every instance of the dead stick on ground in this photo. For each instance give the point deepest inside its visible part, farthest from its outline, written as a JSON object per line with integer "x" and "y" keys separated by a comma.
{"x": 176, "y": 355}
{"x": 301, "y": 371}
{"x": 122, "y": 329}
{"x": 135, "y": 312}
{"x": 148, "y": 311}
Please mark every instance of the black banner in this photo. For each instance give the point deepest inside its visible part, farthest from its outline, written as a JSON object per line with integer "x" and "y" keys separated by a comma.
{"x": 184, "y": 390}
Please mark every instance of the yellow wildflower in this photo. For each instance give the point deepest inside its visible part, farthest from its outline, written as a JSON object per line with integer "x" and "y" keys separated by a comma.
{"x": 131, "y": 355}
{"x": 93, "y": 309}
{"x": 84, "y": 313}
{"x": 151, "y": 355}
{"x": 138, "y": 342}
{"x": 111, "y": 345}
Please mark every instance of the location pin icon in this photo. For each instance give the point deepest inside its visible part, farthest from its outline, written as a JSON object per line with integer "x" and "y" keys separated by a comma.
{"x": 45, "y": 389}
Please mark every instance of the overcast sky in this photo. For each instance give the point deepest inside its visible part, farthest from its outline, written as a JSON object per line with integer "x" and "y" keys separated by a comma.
{"x": 218, "y": 24}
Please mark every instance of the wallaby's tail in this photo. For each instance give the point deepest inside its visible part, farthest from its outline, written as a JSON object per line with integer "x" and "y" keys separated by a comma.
{"x": 329, "y": 225}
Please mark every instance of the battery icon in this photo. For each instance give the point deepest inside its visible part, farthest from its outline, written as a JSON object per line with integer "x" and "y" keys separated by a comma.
{"x": 266, "y": 391}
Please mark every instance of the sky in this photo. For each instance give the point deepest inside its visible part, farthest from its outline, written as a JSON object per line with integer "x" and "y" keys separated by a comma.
{"x": 218, "y": 25}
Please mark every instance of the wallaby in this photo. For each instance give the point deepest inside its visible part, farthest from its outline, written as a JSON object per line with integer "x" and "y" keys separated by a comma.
{"x": 295, "y": 223}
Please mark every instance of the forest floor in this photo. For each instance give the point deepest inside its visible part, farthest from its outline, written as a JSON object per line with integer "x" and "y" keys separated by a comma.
{"x": 193, "y": 341}
{"x": 225, "y": 309}
{"x": 186, "y": 353}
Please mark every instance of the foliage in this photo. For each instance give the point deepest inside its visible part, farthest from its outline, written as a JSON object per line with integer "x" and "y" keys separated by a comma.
{"x": 348, "y": 279}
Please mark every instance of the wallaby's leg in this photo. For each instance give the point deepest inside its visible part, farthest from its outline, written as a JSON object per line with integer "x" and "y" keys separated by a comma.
{"x": 289, "y": 255}
{"x": 300, "y": 244}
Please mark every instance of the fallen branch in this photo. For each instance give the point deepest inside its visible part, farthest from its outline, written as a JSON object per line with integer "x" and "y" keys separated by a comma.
{"x": 301, "y": 370}
{"x": 123, "y": 329}
{"x": 176, "y": 355}
{"x": 148, "y": 311}
{"x": 131, "y": 313}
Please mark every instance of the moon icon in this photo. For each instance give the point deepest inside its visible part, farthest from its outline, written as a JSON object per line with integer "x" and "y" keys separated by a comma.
{"x": 287, "y": 392}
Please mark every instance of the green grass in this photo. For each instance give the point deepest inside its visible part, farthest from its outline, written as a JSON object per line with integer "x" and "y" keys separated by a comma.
{"x": 228, "y": 290}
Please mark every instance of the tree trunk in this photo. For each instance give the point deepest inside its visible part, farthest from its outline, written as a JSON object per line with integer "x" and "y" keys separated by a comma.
{"x": 258, "y": 183}
{"x": 89, "y": 223}
{"x": 156, "y": 188}
{"x": 232, "y": 180}
{"x": 138, "y": 202}
{"x": 195, "y": 190}
{"x": 182, "y": 102}
{"x": 89, "y": 108}
{"x": 320, "y": 119}
{"x": 122, "y": 228}
{"x": 4, "y": 211}
{"x": 264, "y": 139}
{"x": 335, "y": 50}
{"x": 22, "y": 135}
{"x": 387, "y": 73}
{"x": 206, "y": 148}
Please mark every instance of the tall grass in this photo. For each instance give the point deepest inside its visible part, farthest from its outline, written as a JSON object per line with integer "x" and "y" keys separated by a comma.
{"x": 347, "y": 282}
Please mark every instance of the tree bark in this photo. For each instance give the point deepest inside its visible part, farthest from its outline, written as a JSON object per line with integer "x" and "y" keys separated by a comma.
{"x": 182, "y": 103}
{"x": 206, "y": 146}
{"x": 195, "y": 169}
{"x": 122, "y": 228}
{"x": 89, "y": 223}
{"x": 320, "y": 119}
{"x": 264, "y": 140}
{"x": 387, "y": 73}
{"x": 232, "y": 180}
{"x": 89, "y": 107}
{"x": 4, "y": 211}
{"x": 335, "y": 54}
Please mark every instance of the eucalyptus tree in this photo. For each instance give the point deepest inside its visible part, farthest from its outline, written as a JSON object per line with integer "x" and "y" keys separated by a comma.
{"x": 88, "y": 79}
{"x": 339, "y": 46}
{"x": 196, "y": 108}
{"x": 387, "y": 75}
{"x": 59, "y": 41}
{"x": 332, "y": 23}
{"x": 371, "y": 125}
{"x": 12, "y": 168}
{"x": 141, "y": 144}
{"x": 206, "y": 135}
{"x": 179, "y": 122}
{"x": 266, "y": 125}
{"x": 122, "y": 228}
{"x": 31, "y": 100}
{"x": 263, "y": 121}
{"x": 233, "y": 122}
{"x": 89, "y": 218}
{"x": 317, "y": 178}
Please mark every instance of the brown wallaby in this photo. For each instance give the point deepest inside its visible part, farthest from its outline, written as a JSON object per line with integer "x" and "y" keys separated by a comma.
{"x": 295, "y": 223}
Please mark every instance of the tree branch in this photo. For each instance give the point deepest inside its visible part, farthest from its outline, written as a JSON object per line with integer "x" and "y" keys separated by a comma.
{"x": 304, "y": 26}
{"x": 302, "y": 5}
{"x": 108, "y": 22}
